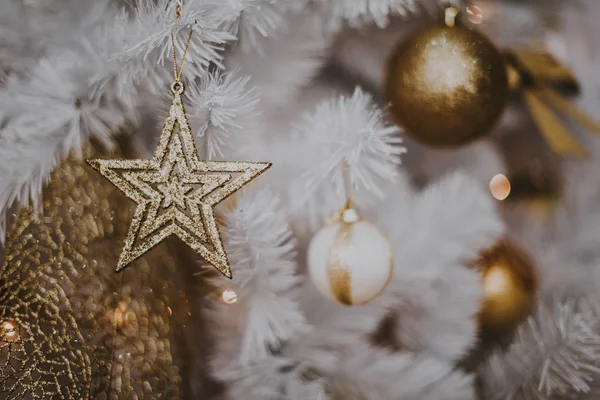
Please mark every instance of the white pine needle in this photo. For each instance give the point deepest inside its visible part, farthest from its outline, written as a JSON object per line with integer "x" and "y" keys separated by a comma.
{"x": 48, "y": 115}
{"x": 360, "y": 12}
{"x": 556, "y": 353}
{"x": 261, "y": 251}
{"x": 344, "y": 134}
{"x": 222, "y": 112}
{"x": 366, "y": 372}
{"x": 252, "y": 20}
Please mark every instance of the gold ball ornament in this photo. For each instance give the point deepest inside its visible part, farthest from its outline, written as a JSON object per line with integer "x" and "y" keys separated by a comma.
{"x": 350, "y": 260}
{"x": 446, "y": 85}
{"x": 510, "y": 286}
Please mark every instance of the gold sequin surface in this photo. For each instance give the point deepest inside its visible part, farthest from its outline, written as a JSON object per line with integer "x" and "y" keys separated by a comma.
{"x": 70, "y": 328}
{"x": 175, "y": 191}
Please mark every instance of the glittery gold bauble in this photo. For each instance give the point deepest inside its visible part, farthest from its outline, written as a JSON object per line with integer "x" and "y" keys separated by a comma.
{"x": 350, "y": 261}
{"x": 446, "y": 86}
{"x": 71, "y": 328}
{"x": 510, "y": 287}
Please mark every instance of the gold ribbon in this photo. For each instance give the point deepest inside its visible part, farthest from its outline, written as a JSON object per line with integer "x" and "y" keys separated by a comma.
{"x": 542, "y": 81}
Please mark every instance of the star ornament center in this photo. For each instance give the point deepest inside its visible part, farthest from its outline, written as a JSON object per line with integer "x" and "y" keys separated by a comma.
{"x": 176, "y": 192}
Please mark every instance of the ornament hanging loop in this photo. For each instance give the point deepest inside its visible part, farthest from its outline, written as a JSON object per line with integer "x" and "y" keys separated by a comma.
{"x": 347, "y": 187}
{"x": 177, "y": 71}
{"x": 177, "y": 87}
{"x": 348, "y": 213}
{"x": 450, "y": 13}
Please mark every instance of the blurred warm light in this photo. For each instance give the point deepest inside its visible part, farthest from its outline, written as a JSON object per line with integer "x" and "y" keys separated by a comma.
{"x": 229, "y": 296}
{"x": 9, "y": 330}
{"x": 497, "y": 282}
{"x": 121, "y": 314}
{"x": 500, "y": 187}
{"x": 475, "y": 14}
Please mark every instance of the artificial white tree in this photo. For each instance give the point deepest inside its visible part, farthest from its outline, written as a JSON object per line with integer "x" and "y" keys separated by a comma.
{"x": 263, "y": 83}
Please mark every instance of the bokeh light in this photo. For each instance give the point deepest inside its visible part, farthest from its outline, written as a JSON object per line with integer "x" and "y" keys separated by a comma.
{"x": 475, "y": 14}
{"x": 500, "y": 187}
{"x": 9, "y": 330}
{"x": 229, "y": 296}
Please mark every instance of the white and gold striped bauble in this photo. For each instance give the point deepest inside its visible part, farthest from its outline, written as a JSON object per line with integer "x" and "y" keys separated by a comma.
{"x": 350, "y": 261}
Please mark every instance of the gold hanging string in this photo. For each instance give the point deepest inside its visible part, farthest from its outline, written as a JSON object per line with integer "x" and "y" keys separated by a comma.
{"x": 348, "y": 188}
{"x": 176, "y": 71}
{"x": 348, "y": 193}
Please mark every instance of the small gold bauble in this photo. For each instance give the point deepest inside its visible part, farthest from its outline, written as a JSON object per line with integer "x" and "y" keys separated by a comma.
{"x": 510, "y": 287}
{"x": 446, "y": 86}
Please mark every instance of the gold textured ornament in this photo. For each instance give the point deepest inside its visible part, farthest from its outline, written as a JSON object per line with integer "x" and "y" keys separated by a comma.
{"x": 510, "y": 287}
{"x": 175, "y": 191}
{"x": 543, "y": 83}
{"x": 72, "y": 329}
{"x": 446, "y": 85}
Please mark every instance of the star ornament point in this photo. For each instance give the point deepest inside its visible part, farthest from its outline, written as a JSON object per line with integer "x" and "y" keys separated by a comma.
{"x": 176, "y": 193}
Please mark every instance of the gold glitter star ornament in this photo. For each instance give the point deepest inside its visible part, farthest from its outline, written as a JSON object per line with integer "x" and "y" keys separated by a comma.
{"x": 176, "y": 192}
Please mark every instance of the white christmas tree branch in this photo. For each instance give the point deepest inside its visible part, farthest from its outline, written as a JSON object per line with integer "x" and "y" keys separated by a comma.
{"x": 366, "y": 372}
{"x": 556, "y": 353}
{"x": 366, "y": 11}
{"x": 47, "y": 115}
{"x": 435, "y": 234}
{"x": 343, "y": 137}
{"x": 222, "y": 112}
{"x": 252, "y": 20}
{"x": 329, "y": 353}
{"x": 89, "y": 82}
{"x": 261, "y": 252}
{"x": 286, "y": 61}
{"x": 17, "y": 48}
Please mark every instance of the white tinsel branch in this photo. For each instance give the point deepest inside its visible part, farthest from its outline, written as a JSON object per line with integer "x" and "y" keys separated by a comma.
{"x": 344, "y": 140}
{"x": 556, "y": 353}
{"x": 88, "y": 83}
{"x": 121, "y": 53}
{"x": 261, "y": 249}
{"x": 222, "y": 113}
{"x": 434, "y": 234}
{"x": 366, "y": 372}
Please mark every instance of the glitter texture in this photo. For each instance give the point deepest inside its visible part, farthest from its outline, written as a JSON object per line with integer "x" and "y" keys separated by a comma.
{"x": 176, "y": 192}
{"x": 82, "y": 331}
{"x": 446, "y": 86}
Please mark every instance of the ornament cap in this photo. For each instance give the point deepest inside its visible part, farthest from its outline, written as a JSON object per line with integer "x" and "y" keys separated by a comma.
{"x": 451, "y": 11}
{"x": 350, "y": 216}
